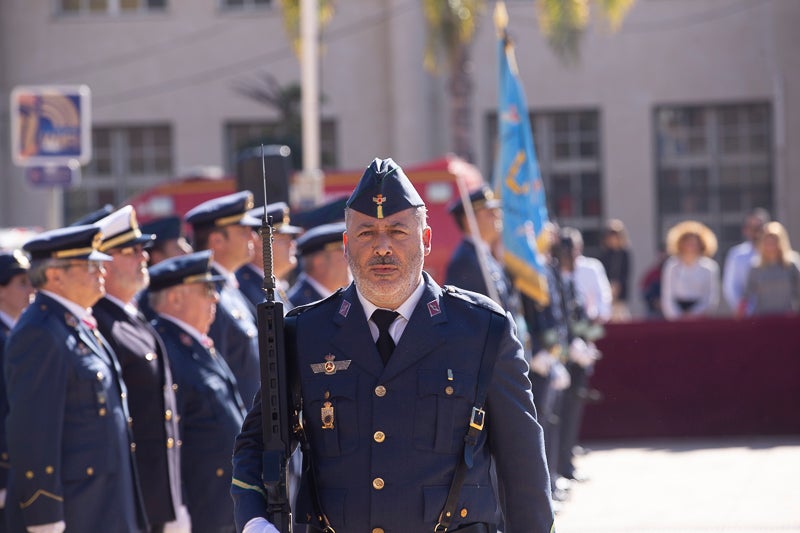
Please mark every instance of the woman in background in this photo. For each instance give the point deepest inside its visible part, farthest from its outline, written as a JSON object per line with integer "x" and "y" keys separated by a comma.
{"x": 773, "y": 283}
{"x": 690, "y": 279}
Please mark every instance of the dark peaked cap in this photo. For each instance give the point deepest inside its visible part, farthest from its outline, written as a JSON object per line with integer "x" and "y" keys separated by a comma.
{"x": 182, "y": 269}
{"x": 384, "y": 189}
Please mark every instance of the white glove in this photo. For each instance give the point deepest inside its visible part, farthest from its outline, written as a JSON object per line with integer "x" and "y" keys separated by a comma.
{"x": 542, "y": 362}
{"x": 259, "y": 525}
{"x": 561, "y": 379}
{"x": 182, "y": 522}
{"x": 581, "y": 353}
{"x": 53, "y": 527}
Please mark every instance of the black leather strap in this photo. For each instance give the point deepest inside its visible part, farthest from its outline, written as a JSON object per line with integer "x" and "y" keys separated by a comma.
{"x": 476, "y": 421}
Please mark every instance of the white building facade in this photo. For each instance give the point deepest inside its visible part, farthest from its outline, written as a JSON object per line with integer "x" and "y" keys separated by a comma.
{"x": 690, "y": 110}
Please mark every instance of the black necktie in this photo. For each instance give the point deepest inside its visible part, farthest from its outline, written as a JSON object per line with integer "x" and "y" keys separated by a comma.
{"x": 383, "y": 318}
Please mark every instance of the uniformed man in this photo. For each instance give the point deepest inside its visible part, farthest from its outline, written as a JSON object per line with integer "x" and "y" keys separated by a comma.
{"x": 324, "y": 267}
{"x": 223, "y": 226}
{"x": 145, "y": 367}
{"x": 69, "y": 438}
{"x": 183, "y": 293}
{"x": 169, "y": 240}
{"x": 464, "y": 269}
{"x": 284, "y": 260}
{"x": 15, "y": 294}
{"x": 393, "y": 372}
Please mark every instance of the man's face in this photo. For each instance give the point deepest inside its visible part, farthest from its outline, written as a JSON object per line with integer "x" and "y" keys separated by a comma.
{"x": 197, "y": 305}
{"x": 16, "y": 295}
{"x": 78, "y": 280}
{"x": 490, "y": 224}
{"x": 284, "y": 254}
{"x": 386, "y": 255}
{"x": 239, "y": 245}
{"x": 753, "y": 228}
{"x": 127, "y": 272}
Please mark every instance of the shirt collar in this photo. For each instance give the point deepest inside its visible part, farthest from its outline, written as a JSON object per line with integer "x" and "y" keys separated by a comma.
{"x": 128, "y": 307}
{"x": 199, "y": 337}
{"x": 6, "y": 319}
{"x": 72, "y": 307}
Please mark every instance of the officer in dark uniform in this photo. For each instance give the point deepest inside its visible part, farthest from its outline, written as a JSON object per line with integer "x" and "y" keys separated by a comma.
{"x": 183, "y": 293}
{"x": 69, "y": 441}
{"x": 145, "y": 366}
{"x": 284, "y": 261}
{"x": 464, "y": 269}
{"x": 324, "y": 268}
{"x": 389, "y": 370}
{"x": 15, "y": 293}
{"x": 223, "y": 226}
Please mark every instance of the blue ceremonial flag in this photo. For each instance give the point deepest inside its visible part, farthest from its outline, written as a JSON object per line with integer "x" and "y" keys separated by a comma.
{"x": 517, "y": 177}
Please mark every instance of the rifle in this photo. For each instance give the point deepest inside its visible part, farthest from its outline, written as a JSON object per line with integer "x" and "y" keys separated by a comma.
{"x": 275, "y": 390}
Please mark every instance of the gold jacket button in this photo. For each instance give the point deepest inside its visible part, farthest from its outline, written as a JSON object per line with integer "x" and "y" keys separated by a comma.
{"x": 380, "y": 391}
{"x": 379, "y": 436}
{"x": 102, "y": 411}
{"x": 463, "y": 512}
{"x": 448, "y": 390}
{"x": 378, "y": 483}
{"x": 29, "y": 474}
{"x": 168, "y": 415}
{"x": 220, "y": 472}
{"x": 170, "y": 443}
{"x": 49, "y": 470}
{"x": 90, "y": 471}
{"x": 175, "y": 386}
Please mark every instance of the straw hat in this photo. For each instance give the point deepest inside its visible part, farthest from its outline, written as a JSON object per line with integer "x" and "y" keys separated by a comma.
{"x": 708, "y": 241}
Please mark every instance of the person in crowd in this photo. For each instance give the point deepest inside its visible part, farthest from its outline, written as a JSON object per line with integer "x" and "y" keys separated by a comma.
{"x": 773, "y": 283}
{"x": 650, "y": 285}
{"x": 740, "y": 258}
{"x": 616, "y": 258}
{"x": 169, "y": 239}
{"x": 284, "y": 260}
{"x": 323, "y": 264}
{"x": 397, "y": 357}
{"x": 145, "y": 368}
{"x": 690, "y": 279}
{"x": 590, "y": 279}
{"x": 465, "y": 269}
{"x": 183, "y": 292}
{"x": 69, "y": 442}
{"x": 15, "y": 294}
{"x": 222, "y": 226}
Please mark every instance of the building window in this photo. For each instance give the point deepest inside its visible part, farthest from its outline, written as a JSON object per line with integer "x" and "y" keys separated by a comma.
{"x": 714, "y": 164}
{"x": 125, "y": 162}
{"x": 244, "y": 4}
{"x": 111, "y": 7}
{"x": 568, "y": 149}
{"x": 242, "y": 135}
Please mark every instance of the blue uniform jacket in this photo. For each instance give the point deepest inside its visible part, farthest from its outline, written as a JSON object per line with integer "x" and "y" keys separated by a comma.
{"x": 398, "y": 431}
{"x": 151, "y": 399}
{"x": 302, "y": 292}
{"x": 4, "y": 464}
{"x": 68, "y": 435}
{"x": 211, "y": 413}
{"x": 251, "y": 284}
{"x": 464, "y": 271}
{"x": 236, "y": 338}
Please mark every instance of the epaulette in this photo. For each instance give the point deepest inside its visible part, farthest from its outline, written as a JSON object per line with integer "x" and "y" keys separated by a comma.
{"x": 474, "y": 298}
{"x": 303, "y": 308}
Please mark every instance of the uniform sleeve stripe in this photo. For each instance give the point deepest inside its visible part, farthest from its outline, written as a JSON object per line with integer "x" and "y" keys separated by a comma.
{"x": 243, "y": 485}
{"x": 36, "y": 495}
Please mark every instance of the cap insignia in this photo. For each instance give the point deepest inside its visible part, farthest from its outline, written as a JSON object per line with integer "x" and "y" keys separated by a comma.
{"x": 379, "y": 200}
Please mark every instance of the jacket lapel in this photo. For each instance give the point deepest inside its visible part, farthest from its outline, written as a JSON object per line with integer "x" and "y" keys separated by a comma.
{"x": 423, "y": 332}
{"x": 353, "y": 337}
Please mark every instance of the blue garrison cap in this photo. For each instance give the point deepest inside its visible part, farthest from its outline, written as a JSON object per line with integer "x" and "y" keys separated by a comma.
{"x": 181, "y": 269}
{"x": 164, "y": 229}
{"x": 11, "y": 264}
{"x": 278, "y": 214}
{"x": 121, "y": 229}
{"x": 320, "y": 238}
{"x": 94, "y": 216}
{"x": 384, "y": 190}
{"x": 72, "y": 242}
{"x": 223, "y": 211}
{"x": 482, "y": 197}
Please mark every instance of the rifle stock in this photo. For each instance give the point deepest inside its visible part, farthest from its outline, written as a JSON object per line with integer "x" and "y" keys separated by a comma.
{"x": 275, "y": 391}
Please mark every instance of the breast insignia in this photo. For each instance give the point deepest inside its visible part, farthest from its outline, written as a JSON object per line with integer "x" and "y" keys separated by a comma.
{"x": 330, "y": 366}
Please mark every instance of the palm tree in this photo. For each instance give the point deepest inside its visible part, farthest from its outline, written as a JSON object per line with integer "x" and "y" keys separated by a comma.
{"x": 451, "y": 27}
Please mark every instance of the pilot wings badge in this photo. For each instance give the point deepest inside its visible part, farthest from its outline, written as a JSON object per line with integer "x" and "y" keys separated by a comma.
{"x": 330, "y": 366}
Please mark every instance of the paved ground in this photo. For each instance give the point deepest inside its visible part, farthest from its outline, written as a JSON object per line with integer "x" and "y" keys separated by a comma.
{"x": 740, "y": 485}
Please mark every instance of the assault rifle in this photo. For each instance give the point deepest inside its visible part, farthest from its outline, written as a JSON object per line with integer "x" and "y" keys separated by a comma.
{"x": 275, "y": 390}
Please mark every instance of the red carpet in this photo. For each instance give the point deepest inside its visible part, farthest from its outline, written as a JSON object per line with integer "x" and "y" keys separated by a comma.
{"x": 697, "y": 378}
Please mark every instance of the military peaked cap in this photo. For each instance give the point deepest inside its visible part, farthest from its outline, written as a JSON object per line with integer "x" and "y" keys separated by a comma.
{"x": 72, "y": 242}
{"x": 11, "y": 264}
{"x": 482, "y": 197}
{"x": 120, "y": 229}
{"x": 320, "y": 238}
{"x": 164, "y": 229}
{"x": 278, "y": 214}
{"x": 190, "y": 268}
{"x": 223, "y": 211}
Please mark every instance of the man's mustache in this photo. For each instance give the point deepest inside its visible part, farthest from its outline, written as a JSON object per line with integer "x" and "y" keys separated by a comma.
{"x": 383, "y": 260}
